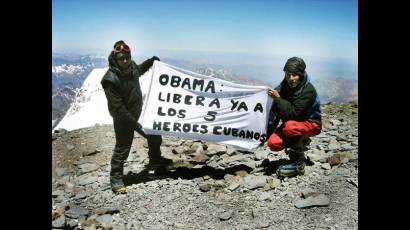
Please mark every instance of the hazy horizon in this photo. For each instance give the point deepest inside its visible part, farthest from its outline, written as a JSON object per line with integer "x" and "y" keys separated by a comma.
{"x": 266, "y": 68}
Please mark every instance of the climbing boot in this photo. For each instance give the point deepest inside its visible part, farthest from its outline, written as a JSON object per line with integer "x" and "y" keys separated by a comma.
{"x": 117, "y": 186}
{"x": 296, "y": 165}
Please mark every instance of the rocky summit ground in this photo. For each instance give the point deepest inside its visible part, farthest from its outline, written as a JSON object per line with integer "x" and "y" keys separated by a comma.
{"x": 212, "y": 187}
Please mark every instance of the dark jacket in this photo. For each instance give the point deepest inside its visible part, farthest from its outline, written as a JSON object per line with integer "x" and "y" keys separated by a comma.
{"x": 299, "y": 104}
{"x": 123, "y": 91}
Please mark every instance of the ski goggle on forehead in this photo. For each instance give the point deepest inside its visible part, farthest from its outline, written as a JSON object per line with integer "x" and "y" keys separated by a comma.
{"x": 122, "y": 47}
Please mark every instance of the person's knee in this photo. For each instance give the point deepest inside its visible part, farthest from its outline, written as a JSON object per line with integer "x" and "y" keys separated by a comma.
{"x": 291, "y": 129}
{"x": 275, "y": 143}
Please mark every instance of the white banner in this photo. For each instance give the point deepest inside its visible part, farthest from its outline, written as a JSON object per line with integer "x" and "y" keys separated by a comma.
{"x": 193, "y": 106}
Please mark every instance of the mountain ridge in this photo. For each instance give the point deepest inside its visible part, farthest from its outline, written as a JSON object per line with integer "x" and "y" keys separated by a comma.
{"x": 70, "y": 77}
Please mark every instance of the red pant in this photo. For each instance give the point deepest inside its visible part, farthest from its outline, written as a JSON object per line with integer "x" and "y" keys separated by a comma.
{"x": 291, "y": 130}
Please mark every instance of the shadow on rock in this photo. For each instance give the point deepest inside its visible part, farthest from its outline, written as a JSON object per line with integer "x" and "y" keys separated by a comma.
{"x": 183, "y": 173}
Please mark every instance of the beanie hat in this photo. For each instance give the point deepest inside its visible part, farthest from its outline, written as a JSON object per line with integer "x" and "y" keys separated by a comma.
{"x": 295, "y": 65}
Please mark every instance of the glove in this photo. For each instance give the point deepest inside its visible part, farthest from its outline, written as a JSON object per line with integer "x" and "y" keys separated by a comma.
{"x": 155, "y": 58}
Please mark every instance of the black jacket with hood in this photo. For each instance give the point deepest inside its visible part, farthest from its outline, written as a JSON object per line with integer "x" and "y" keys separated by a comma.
{"x": 123, "y": 91}
{"x": 300, "y": 104}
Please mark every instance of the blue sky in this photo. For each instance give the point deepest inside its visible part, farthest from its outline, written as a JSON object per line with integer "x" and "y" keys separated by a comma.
{"x": 291, "y": 28}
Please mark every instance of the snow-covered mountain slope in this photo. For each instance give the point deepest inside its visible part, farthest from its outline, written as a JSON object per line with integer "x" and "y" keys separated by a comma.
{"x": 90, "y": 105}
{"x": 68, "y": 73}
